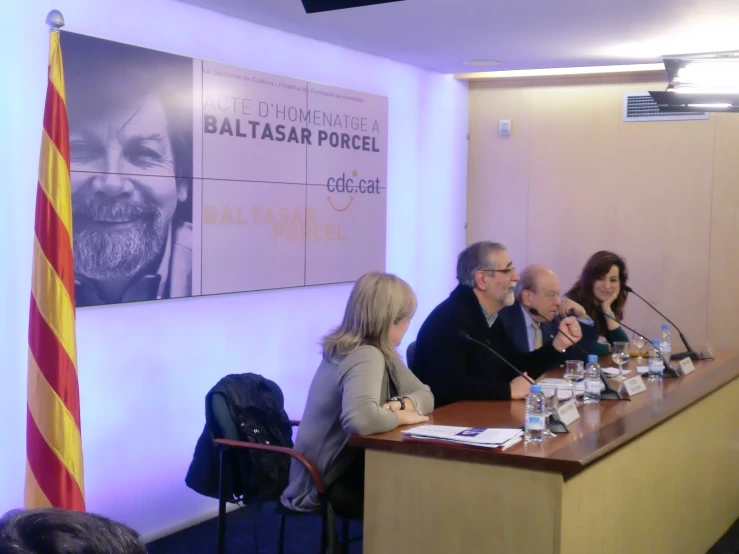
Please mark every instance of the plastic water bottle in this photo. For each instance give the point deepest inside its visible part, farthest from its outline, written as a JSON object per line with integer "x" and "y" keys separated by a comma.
{"x": 656, "y": 365}
{"x": 592, "y": 380}
{"x": 666, "y": 342}
{"x": 536, "y": 415}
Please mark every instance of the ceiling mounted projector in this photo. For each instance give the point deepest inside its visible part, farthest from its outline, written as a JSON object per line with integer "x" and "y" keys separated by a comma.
{"x": 706, "y": 83}
{"x": 314, "y": 6}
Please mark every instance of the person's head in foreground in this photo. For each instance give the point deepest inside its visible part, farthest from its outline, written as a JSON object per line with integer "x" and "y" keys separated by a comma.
{"x": 55, "y": 531}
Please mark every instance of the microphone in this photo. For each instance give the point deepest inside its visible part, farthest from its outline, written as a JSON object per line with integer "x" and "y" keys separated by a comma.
{"x": 609, "y": 393}
{"x": 556, "y": 425}
{"x": 669, "y": 371}
{"x": 466, "y": 336}
{"x": 534, "y": 311}
{"x": 689, "y": 353}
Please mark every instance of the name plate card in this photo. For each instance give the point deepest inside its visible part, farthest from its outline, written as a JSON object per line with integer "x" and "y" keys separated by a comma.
{"x": 633, "y": 386}
{"x": 685, "y": 367}
{"x": 568, "y": 413}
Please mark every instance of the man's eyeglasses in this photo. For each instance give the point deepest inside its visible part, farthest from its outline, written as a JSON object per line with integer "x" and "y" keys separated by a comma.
{"x": 506, "y": 271}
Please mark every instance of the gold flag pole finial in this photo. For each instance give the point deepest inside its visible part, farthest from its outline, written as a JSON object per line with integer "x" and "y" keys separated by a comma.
{"x": 55, "y": 20}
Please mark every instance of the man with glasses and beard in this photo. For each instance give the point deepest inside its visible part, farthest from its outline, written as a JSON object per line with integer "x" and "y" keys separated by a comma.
{"x": 457, "y": 368}
{"x": 130, "y": 117}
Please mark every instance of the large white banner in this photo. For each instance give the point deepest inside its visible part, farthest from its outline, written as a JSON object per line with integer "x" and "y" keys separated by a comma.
{"x": 190, "y": 177}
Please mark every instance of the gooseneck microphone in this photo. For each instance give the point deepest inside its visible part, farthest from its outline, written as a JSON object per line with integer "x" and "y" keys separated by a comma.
{"x": 609, "y": 393}
{"x": 689, "y": 353}
{"x": 556, "y": 425}
{"x": 466, "y": 336}
{"x": 669, "y": 371}
{"x": 534, "y": 311}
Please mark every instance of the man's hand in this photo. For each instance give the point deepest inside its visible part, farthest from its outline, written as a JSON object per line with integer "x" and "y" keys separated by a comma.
{"x": 394, "y": 406}
{"x": 409, "y": 418}
{"x": 570, "y": 307}
{"x": 520, "y": 387}
{"x": 569, "y": 329}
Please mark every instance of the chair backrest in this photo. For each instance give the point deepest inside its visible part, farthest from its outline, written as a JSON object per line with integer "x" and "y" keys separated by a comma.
{"x": 224, "y": 426}
{"x": 410, "y": 354}
{"x": 250, "y": 408}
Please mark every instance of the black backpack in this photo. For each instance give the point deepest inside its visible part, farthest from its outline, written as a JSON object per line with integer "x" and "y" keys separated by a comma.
{"x": 249, "y": 408}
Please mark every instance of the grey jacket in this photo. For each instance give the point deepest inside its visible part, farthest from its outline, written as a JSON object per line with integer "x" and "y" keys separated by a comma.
{"x": 345, "y": 399}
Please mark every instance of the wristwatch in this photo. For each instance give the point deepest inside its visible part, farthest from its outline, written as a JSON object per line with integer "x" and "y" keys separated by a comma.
{"x": 399, "y": 399}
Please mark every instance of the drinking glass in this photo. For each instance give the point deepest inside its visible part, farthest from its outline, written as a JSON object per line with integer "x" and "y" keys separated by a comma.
{"x": 620, "y": 355}
{"x": 638, "y": 342}
{"x": 574, "y": 372}
{"x": 552, "y": 402}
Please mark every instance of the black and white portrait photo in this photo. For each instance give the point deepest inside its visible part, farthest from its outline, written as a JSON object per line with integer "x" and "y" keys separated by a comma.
{"x": 131, "y": 152}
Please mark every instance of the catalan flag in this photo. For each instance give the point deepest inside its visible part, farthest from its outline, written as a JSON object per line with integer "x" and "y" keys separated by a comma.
{"x": 54, "y": 472}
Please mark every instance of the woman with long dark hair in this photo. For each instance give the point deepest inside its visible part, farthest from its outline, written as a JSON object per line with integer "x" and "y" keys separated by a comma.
{"x": 601, "y": 289}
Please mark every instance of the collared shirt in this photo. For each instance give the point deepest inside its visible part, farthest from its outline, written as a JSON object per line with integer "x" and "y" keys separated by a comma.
{"x": 530, "y": 332}
{"x": 488, "y": 316}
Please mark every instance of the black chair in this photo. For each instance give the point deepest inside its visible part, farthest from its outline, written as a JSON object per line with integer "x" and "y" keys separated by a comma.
{"x": 410, "y": 354}
{"x": 227, "y": 439}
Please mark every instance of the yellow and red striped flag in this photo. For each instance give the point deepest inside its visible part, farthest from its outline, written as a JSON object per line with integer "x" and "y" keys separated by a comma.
{"x": 54, "y": 471}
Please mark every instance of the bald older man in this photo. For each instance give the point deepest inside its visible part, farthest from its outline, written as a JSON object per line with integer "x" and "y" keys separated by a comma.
{"x": 538, "y": 288}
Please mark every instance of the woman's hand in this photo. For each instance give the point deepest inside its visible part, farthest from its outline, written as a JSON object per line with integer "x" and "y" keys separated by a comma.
{"x": 611, "y": 323}
{"x": 406, "y": 417}
{"x": 394, "y": 405}
{"x": 607, "y": 304}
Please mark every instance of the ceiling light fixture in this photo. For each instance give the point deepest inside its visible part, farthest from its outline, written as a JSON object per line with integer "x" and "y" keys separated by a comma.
{"x": 560, "y": 71}
{"x": 708, "y": 81}
{"x": 482, "y": 63}
{"x": 720, "y": 106}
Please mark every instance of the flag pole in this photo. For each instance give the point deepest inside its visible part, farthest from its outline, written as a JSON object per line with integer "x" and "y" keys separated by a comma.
{"x": 54, "y": 464}
{"x": 55, "y": 20}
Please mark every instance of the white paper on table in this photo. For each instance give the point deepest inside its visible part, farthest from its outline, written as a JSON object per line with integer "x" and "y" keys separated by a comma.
{"x": 465, "y": 435}
{"x": 564, "y": 390}
{"x": 642, "y": 369}
{"x": 550, "y": 382}
{"x": 614, "y": 371}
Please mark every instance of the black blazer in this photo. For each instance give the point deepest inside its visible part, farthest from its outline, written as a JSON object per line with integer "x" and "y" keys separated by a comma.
{"x": 457, "y": 369}
{"x": 514, "y": 322}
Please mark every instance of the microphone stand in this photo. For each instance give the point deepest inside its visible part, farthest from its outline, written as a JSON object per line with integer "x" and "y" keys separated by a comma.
{"x": 556, "y": 425}
{"x": 465, "y": 336}
{"x": 669, "y": 370}
{"x": 609, "y": 393}
{"x": 689, "y": 353}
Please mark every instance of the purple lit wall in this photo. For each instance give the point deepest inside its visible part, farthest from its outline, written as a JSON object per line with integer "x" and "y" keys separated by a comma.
{"x": 145, "y": 368}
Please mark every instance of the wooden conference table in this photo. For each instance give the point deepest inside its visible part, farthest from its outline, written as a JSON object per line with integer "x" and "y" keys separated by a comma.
{"x": 655, "y": 474}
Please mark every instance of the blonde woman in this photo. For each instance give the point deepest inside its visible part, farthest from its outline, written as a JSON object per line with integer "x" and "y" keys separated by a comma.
{"x": 361, "y": 387}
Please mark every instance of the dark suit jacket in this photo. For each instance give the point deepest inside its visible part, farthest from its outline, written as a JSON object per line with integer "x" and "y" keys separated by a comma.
{"x": 515, "y": 325}
{"x": 457, "y": 369}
